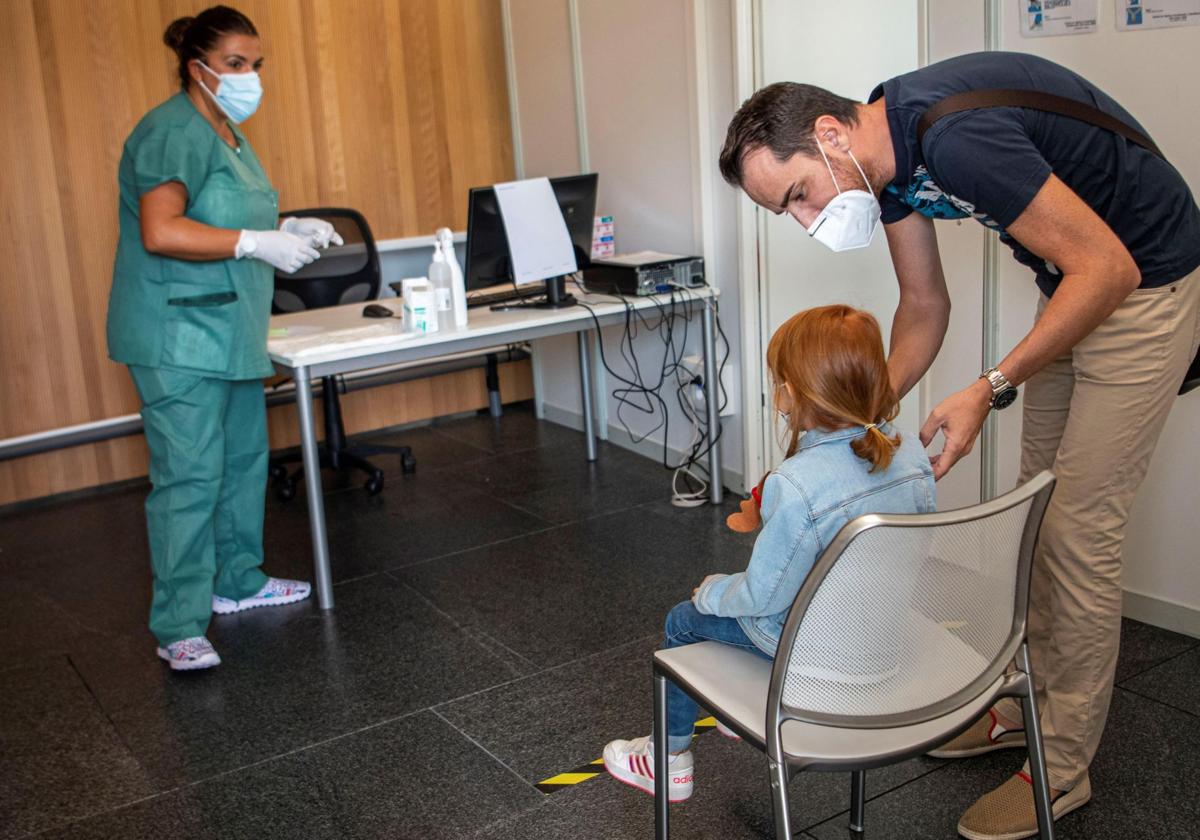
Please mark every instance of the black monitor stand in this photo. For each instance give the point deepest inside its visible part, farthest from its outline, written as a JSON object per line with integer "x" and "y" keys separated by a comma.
{"x": 556, "y": 294}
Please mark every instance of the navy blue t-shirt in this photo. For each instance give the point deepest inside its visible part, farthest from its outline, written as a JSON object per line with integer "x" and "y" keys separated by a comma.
{"x": 989, "y": 163}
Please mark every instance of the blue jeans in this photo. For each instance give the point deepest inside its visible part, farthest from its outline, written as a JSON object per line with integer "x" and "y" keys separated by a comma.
{"x": 686, "y": 625}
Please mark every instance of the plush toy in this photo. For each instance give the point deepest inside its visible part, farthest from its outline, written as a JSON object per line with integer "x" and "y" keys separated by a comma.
{"x": 750, "y": 516}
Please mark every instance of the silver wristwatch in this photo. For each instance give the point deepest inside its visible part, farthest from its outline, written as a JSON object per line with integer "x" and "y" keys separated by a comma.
{"x": 1003, "y": 391}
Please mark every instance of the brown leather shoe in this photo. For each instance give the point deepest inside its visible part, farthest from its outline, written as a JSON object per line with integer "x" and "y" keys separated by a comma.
{"x": 985, "y": 735}
{"x": 1007, "y": 812}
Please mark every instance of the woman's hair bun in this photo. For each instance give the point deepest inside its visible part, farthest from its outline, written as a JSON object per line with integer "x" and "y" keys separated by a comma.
{"x": 173, "y": 37}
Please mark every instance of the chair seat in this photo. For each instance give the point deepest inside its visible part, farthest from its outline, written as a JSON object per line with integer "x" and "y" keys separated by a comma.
{"x": 735, "y": 682}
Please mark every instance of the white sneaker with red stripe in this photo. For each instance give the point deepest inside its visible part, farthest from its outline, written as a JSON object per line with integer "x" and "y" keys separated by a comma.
{"x": 632, "y": 762}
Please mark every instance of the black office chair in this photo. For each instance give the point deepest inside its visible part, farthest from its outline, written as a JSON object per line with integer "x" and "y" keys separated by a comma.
{"x": 348, "y": 273}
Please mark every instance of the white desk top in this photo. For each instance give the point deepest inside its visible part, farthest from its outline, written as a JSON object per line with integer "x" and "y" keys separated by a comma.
{"x": 339, "y": 334}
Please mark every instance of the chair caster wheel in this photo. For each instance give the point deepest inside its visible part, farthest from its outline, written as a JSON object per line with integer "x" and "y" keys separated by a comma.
{"x": 408, "y": 464}
{"x": 286, "y": 490}
{"x": 278, "y": 472}
{"x": 374, "y": 484}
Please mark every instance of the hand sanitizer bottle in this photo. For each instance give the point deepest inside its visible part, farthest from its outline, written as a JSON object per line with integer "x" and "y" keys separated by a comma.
{"x": 458, "y": 289}
{"x": 441, "y": 279}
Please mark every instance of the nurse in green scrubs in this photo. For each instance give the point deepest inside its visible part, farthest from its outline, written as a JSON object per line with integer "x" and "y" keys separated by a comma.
{"x": 191, "y": 297}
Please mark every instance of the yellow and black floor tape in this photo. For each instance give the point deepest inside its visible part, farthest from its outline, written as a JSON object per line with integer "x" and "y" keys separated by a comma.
{"x": 594, "y": 768}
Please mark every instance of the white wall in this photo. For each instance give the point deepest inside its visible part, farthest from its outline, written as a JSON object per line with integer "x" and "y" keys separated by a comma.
{"x": 861, "y": 43}
{"x": 951, "y": 28}
{"x": 545, "y": 98}
{"x": 717, "y": 208}
{"x": 1152, "y": 74}
{"x": 643, "y": 136}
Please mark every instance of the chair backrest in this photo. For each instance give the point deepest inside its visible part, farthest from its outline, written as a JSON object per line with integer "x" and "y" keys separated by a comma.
{"x": 346, "y": 273}
{"x": 905, "y": 618}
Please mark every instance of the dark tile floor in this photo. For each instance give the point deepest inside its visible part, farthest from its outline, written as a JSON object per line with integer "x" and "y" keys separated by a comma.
{"x": 495, "y": 617}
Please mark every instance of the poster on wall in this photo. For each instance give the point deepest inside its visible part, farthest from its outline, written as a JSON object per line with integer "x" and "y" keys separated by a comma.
{"x": 1040, "y": 18}
{"x": 1156, "y": 14}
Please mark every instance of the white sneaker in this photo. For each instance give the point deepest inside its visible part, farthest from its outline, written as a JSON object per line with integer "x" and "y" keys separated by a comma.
{"x": 632, "y": 762}
{"x": 276, "y": 592}
{"x": 190, "y": 654}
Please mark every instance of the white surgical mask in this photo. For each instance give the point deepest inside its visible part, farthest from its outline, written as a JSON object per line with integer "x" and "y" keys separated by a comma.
{"x": 849, "y": 219}
{"x": 238, "y": 94}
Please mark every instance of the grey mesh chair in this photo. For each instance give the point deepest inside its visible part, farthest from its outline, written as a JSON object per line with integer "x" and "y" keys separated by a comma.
{"x": 900, "y": 638}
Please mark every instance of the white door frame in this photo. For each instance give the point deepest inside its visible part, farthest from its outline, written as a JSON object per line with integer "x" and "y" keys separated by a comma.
{"x": 756, "y": 423}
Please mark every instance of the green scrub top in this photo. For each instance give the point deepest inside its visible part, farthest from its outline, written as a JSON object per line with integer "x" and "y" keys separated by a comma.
{"x": 205, "y": 317}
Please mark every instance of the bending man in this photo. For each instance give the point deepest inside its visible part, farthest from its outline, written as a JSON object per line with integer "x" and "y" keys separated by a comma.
{"x": 1112, "y": 234}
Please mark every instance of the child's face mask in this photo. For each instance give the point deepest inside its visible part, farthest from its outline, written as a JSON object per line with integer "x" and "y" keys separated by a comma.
{"x": 784, "y": 402}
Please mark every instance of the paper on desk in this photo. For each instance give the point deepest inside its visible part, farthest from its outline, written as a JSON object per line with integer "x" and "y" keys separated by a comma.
{"x": 343, "y": 339}
{"x": 293, "y": 331}
{"x": 538, "y": 240}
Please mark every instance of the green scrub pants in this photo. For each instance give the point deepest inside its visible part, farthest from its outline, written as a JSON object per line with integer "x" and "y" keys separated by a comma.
{"x": 208, "y": 468}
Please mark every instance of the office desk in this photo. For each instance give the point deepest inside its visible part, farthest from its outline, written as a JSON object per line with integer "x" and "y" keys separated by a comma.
{"x": 486, "y": 329}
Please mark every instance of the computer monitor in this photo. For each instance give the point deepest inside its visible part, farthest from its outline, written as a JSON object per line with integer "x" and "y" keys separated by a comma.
{"x": 488, "y": 260}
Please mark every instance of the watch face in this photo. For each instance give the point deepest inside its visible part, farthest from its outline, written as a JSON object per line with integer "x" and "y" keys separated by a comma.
{"x": 1005, "y": 398}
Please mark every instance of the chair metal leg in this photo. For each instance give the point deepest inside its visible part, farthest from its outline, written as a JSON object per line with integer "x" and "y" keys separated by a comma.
{"x": 858, "y": 799}
{"x": 779, "y": 799}
{"x": 1037, "y": 755}
{"x": 662, "y": 777}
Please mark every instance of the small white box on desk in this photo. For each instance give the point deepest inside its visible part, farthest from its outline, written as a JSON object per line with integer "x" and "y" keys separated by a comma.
{"x": 420, "y": 313}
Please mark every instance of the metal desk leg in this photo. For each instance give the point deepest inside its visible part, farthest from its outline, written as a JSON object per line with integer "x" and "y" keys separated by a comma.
{"x": 312, "y": 486}
{"x": 585, "y": 387}
{"x": 712, "y": 398}
{"x": 495, "y": 407}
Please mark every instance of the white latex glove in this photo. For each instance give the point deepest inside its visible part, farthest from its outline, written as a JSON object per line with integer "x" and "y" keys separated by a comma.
{"x": 286, "y": 251}
{"x": 317, "y": 232}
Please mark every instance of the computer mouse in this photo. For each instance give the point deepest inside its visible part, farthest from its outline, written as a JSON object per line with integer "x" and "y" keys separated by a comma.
{"x": 377, "y": 310}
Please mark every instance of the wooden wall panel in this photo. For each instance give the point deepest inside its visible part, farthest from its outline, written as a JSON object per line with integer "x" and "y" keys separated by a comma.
{"x": 395, "y": 107}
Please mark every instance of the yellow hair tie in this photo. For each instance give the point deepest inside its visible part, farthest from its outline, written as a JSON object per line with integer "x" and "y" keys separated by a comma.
{"x": 869, "y": 427}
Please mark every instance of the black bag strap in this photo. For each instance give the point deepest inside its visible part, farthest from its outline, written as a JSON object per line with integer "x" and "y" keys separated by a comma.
{"x": 1038, "y": 101}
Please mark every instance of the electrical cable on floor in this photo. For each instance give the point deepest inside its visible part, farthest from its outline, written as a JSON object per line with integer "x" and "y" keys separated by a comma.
{"x": 699, "y": 495}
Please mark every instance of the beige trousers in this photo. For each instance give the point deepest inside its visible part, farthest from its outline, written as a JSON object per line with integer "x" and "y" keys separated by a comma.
{"x": 1093, "y": 416}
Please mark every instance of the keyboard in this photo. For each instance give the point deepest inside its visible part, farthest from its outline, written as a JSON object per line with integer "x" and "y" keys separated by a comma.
{"x": 502, "y": 296}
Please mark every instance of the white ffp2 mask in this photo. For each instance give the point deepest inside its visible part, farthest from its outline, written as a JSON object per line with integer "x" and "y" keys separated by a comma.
{"x": 849, "y": 219}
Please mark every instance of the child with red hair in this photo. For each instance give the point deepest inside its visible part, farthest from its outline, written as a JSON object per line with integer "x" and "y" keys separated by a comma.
{"x": 844, "y": 459}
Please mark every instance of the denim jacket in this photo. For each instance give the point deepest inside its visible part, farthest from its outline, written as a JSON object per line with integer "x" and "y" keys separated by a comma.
{"x": 805, "y": 502}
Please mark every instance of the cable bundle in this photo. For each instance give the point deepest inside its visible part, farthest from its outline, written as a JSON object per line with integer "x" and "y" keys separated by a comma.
{"x": 635, "y": 393}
